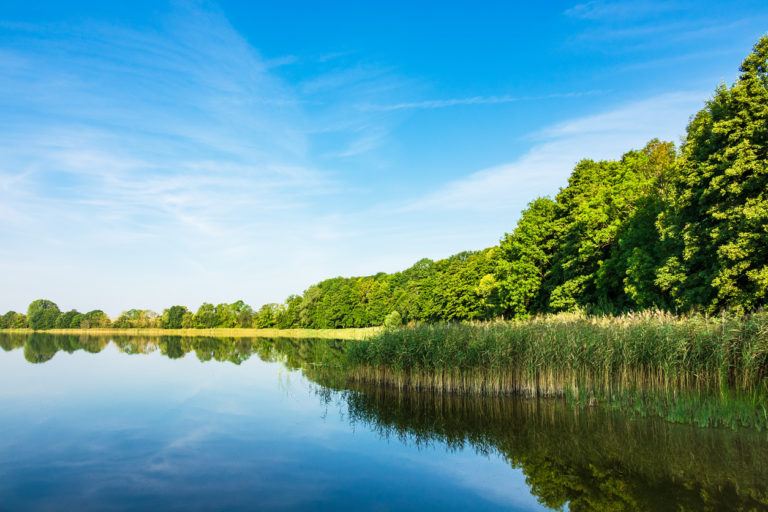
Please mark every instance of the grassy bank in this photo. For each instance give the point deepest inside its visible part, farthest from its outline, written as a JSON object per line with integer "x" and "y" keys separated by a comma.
{"x": 336, "y": 334}
{"x": 655, "y": 362}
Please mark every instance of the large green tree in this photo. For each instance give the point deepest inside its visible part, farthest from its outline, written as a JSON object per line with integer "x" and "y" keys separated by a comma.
{"x": 95, "y": 319}
{"x": 173, "y": 317}
{"x": 42, "y": 314}
{"x": 718, "y": 218}
{"x": 626, "y": 280}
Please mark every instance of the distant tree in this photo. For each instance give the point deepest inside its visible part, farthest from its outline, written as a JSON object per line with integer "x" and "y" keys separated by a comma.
{"x": 137, "y": 319}
{"x": 173, "y": 317}
{"x": 242, "y": 314}
{"x": 77, "y": 320}
{"x": 42, "y": 314}
{"x": 288, "y": 316}
{"x": 13, "y": 320}
{"x": 205, "y": 318}
{"x": 94, "y": 319}
{"x": 188, "y": 320}
{"x": 225, "y": 316}
{"x": 267, "y": 316}
{"x": 64, "y": 321}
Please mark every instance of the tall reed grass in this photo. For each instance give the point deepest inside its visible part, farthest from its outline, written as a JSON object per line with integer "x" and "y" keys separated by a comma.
{"x": 572, "y": 355}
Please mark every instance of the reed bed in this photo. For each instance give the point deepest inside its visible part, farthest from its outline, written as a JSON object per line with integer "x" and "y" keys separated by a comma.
{"x": 583, "y": 357}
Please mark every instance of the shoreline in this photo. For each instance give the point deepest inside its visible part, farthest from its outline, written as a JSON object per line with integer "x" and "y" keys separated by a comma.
{"x": 353, "y": 333}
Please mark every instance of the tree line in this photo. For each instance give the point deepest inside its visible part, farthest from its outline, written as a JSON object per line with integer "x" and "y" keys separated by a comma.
{"x": 678, "y": 229}
{"x": 43, "y": 314}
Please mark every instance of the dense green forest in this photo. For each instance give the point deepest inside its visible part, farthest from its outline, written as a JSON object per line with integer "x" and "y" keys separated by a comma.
{"x": 661, "y": 228}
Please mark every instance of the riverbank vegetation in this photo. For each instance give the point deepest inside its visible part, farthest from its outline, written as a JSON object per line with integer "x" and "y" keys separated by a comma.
{"x": 657, "y": 363}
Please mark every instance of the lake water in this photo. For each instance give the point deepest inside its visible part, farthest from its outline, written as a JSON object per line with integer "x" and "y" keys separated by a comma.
{"x": 94, "y": 423}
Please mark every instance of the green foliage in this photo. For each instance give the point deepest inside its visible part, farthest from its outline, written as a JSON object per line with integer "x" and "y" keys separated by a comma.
{"x": 205, "y": 318}
{"x": 268, "y": 316}
{"x": 65, "y": 319}
{"x": 717, "y": 221}
{"x": 137, "y": 319}
{"x": 13, "y": 320}
{"x": 94, "y": 319}
{"x": 173, "y": 317}
{"x": 595, "y": 247}
{"x": 238, "y": 314}
{"x": 393, "y": 320}
{"x": 601, "y": 245}
{"x": 42, "y": 314}
{"x": 77, "y": 321}
{"x": 462, "y": 287}
{"x": 526, "y": 257}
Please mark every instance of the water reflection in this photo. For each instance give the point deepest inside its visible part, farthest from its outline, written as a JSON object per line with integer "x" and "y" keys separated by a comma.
{"x": 590, "y": 459}
{"x": 293, "y": 353}
{"x": 580, "y": 459}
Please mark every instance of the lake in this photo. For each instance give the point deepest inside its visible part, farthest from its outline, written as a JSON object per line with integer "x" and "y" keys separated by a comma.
{"x": 128, "y": 423}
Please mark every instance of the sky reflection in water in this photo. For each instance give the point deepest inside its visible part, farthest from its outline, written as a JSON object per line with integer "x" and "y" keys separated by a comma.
{"x": 111, "y": 431}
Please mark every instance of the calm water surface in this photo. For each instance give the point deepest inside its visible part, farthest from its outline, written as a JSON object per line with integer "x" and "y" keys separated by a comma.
{"x": 93, "y": 423}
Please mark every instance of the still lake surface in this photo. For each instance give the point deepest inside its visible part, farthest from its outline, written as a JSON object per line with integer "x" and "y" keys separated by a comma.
{"x": 129, "y": 423}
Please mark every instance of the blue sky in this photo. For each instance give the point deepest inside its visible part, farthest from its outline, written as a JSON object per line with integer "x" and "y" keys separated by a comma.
{"x": 154, "y": 154}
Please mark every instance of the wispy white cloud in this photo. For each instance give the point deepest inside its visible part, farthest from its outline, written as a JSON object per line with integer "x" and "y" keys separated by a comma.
{"x": 507, "y": 187}
{"x": 609, "y": 10}
{"x": 370, "y": 139}
{"x": 146, "y": 155}
{"x": 474, "y": 100}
